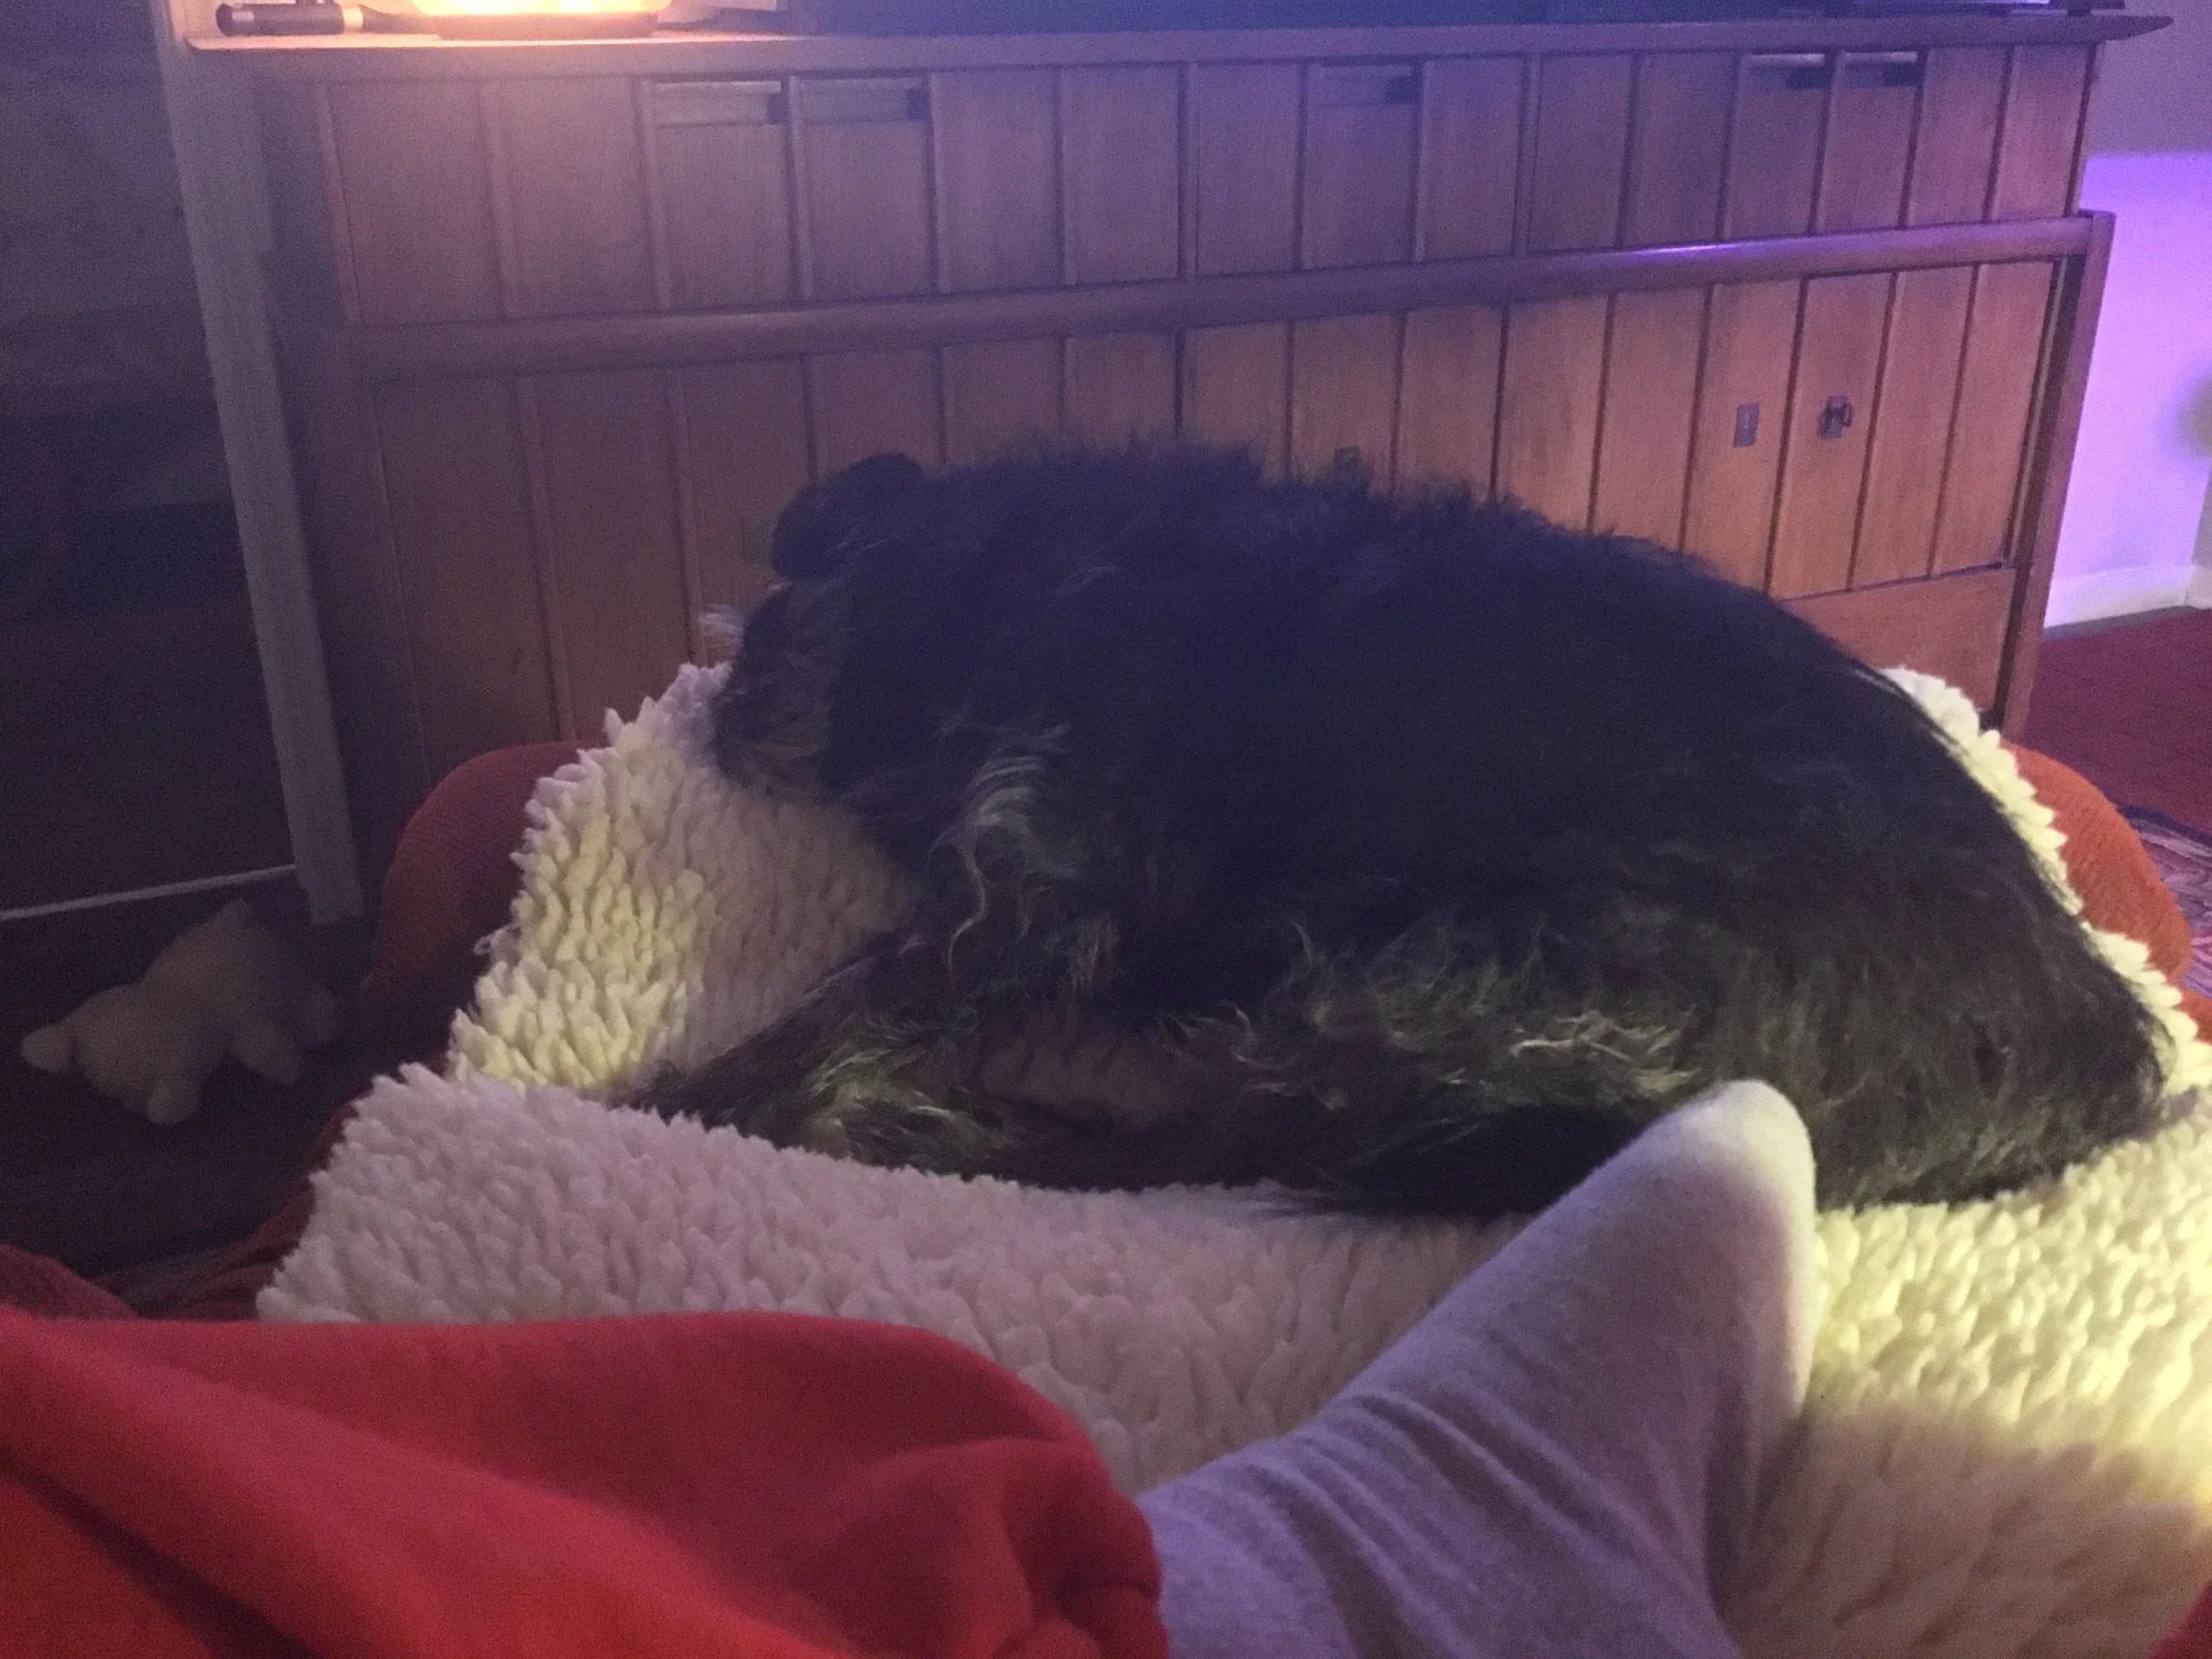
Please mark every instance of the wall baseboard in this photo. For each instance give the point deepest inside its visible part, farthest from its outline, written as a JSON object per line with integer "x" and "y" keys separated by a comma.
{"x": 2125, "y": 592}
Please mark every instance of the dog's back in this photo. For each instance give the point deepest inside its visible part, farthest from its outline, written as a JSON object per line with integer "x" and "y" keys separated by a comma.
{"x": 1447, "y": 846}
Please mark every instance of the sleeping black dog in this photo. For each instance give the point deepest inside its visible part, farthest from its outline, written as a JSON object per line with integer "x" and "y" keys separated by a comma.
{"x": 1410, "y": 852}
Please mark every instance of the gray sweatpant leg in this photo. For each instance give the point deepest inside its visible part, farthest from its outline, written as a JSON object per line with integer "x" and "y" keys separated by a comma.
{"x": 1561, "y": 1457}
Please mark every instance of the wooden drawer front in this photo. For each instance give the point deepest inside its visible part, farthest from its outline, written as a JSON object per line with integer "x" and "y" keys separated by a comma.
{"x": 412, "y": 183}
{"x": 1362, "y": 129}
{"x": 1931, "y": 465}
{"x": 1468, "y": 172}
{"x": 1974, "y": 524}
{"x": 568, "y": 157}
{"x": 721, "y": 192}
{"x": 456, "y": 475}
{"x": 861, "y": 148}
{"x": 1774, "y": 170}
{"x": 1122, "y": 156}
{"x": 742, "y": 453}
{"x": 1865, "y": 140}
{"x": 1243, "y": 165}
{"x": 1548, "y": 399}
{"x": 1644, "y": 447}
{"x": 1954, "y": 627}
{"x": 1784, "y": 143}
{"x": 998, "y": 197}
{"x": 1824, "y": 450}
{"x": 1736, "y": 448}
{"x": 599, "y": 195}
{"x": 557, "y": 536}
{"x": 1678, "y": 146}
{"x": 540, "y": 549}
{"x": 1117, "y": 386}
{"x": 1864, "y": 163}
{"x": 1581, "y": 144}
{"x": 1911, "y": 437}
{"x": 1805, "y": 437}
{"x": 2045, "y": 92}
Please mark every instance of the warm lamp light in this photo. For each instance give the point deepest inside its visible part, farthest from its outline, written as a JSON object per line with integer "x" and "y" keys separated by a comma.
{"x": 520, "y": 7}
{"x": 536, "y": 19}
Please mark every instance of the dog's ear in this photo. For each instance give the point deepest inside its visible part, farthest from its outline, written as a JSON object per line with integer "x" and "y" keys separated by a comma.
{"x": 824, "y": 522}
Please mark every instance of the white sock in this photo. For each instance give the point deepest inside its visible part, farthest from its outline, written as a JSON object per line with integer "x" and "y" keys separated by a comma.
{"x": 1562, "y": 1456}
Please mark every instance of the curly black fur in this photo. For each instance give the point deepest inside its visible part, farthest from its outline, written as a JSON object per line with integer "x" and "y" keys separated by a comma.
{"x": 1420, "y": 850}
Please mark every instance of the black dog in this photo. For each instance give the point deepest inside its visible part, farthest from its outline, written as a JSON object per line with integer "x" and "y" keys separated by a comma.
{"x": 1413, "y": 853}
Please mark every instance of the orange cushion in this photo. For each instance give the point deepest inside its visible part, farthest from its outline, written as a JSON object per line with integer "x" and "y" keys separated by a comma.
{"x": 2120, "y": 887}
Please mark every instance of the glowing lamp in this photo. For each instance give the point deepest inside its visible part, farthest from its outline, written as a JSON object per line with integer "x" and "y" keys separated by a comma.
{"x": 536, "y": 19}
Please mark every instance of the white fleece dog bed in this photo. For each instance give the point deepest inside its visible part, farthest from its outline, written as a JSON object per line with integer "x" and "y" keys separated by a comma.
{"x": 2008, "y": 1444}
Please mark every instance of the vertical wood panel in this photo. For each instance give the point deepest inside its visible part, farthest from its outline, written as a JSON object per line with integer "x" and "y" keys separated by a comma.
{"x": 1447, "y": 395}
{"x": 1122, "y": 149}
{"x": 1774, "y": 154}
{"x": 1912, "y": 425}
{"x": 2043, "y": 128}
{"x": 1869, "y": 144}
{"x": 1643, "y": 446}
{"x": 866, "y": 403}
{"x": 1824, "y": 464}
{"x": 1953, "y": 628}
{"x": 864, "y": 190}
{"x": 359, "y": 597}
{"x": 1547, "y": 408}
{"x": 1236, "y": 388}
{"x": 611, "y": 538}
{"x": 1954, "y": 152}
{"x": 743, "y": 445}
{"x": 1244, "y": 139}
{"x": 291, "y": 121}
{"x": 997, "y": 177}
{"x": 420, "y": 245}
{"x": 1678, "y": 148}
{"x": 2076, "y": 289}
{"x": 1574, "y": 190}
{"x": 1997, "y": 384}
{"x": 1344, "y": 391}
{"x": 999, "y": 393}
{"x": 1470, "y": 156}
{"x": 1117, "y": 386}
{"x": 1736, "y": 456}
{"x": 1361, "y": 129}
{"x": 723, "y": 192}
{"x": 570, "y": 182}
{"x": 454, "y": 476}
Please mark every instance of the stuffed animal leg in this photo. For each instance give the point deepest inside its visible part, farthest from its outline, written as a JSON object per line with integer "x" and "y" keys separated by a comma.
{"x": 226, "y": 986}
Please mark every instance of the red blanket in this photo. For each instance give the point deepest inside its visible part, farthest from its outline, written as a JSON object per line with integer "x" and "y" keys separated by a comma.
{"x": 769, "y": 1485}
{"x": 2192, "y": 1637}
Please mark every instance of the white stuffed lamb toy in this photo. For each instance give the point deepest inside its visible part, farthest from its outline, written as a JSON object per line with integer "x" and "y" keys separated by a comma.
{"x": 226, "y": 987}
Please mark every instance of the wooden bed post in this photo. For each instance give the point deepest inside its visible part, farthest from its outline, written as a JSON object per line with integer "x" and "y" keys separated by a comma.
{"x": 218, "y": 165}
{"x": 2058, "y": 422}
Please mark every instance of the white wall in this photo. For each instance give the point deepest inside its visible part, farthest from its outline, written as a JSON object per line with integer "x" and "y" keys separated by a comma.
{"x": 2137, "y": 530}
